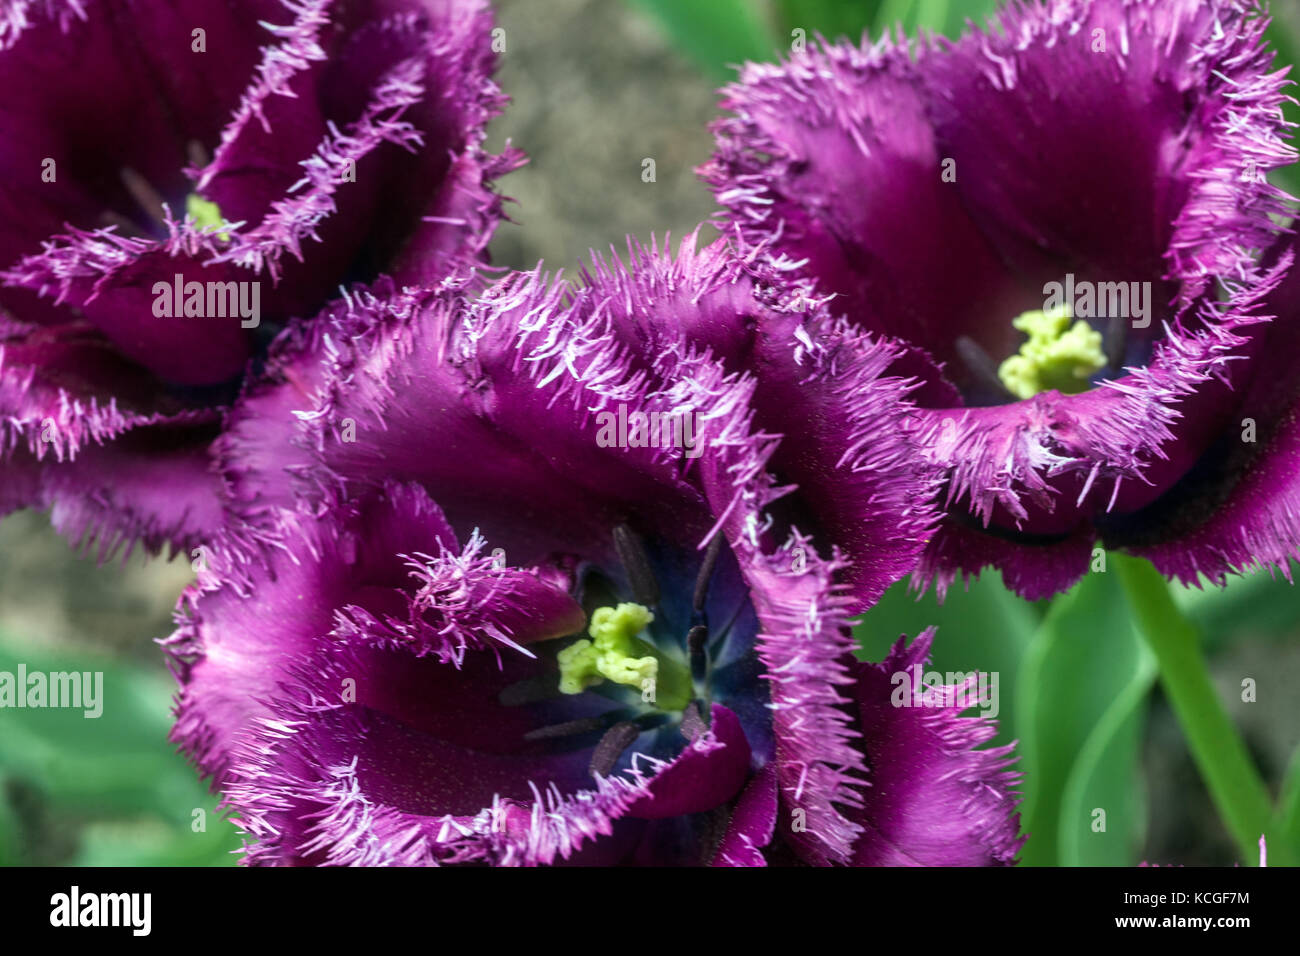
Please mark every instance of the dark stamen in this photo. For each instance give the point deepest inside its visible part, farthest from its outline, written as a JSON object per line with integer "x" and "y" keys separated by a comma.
{"x": 693, "y": 722}
{"x": 1116, "y": 341}
{"x": 631, "y": 551}
{"x": 616, "y": 740}
{"x": 529, "y": 691}
{"x": 146, "y": 197}
{"x": 982, "y": 367}
{"x": 696, "y": 639}
{"x": 713, "y": 825}
{"x": 198, "y": 155}
{"x": 705, "y": 574}
{"x": 572, "y": 728}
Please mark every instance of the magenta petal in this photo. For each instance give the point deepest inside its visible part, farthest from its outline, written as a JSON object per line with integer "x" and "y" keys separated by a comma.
{"x": 935, "y": 799}
{"x": 752, "y": 823}
{"x": 800, "y": 167}
{"x": 1035, "y": 571}
{"x": 829, "y": 391}
{"x": 153, "y": 486}
{"x": 707, "y": 773}
{"x": 247, "y": 617}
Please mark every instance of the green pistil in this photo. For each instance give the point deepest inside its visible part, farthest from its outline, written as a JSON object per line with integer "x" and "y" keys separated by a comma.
{"x": 615, "y": 653}
{"x": 1057, "y": 355}
{"x": 206, "y": 215}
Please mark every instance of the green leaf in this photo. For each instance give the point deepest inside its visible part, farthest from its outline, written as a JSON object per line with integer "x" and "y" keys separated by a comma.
{"x": 151, "y": 841}
{"x": 1103, "y": 777}
{"x": 849, "y": 18}
{"x": 1284, "y": 35}
{"x": 830, "y": 18}
{"x": 1079, "y": 714}
{"x": 947, "y": 17}
{"x": 100, "y": 778}
{"x": 1288, "y": 809}
{"x": 985, "y": 628}
{"x": 8, "y": 828}
{"x": 1249, "y": 607}
{"x": 717, "y": 34}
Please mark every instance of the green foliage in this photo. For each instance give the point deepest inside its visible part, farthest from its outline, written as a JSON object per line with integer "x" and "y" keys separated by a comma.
{"x": 1254, "y": 607}
{"x": 717, "y": 34}
{"x": 985, "y": 628}
{"x": 102, "y": 791}
{"x": 1284, "y": 36}
{"x": 720, "y": 34}
{"x": 834, "y": 18}
{"x": 1079, "y": 714}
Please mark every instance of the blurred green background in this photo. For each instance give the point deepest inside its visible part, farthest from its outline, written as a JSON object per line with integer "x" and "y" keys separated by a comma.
{"x": 597, "y": 85}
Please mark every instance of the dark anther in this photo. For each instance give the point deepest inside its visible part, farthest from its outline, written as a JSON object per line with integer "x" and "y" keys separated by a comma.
{"x": 982, "y": 368}
{"x": 197, "y": 154}
{"x": 706, "y": 572}
{"x": 693, "y": 722}
{"x": 696, "y": 639}
{"x": 633, "y": 555}
{"x": 529, "y": 691}
{"x": 1116, "y": 341}
{"x": 146, "y": 197}
{"x": 571, "y": 728}
{"x": 617, "y": 739}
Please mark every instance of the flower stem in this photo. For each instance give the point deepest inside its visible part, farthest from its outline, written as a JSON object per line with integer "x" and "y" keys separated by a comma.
{"x": 1234, "y": 783}
{"x": 1288, "y": 808}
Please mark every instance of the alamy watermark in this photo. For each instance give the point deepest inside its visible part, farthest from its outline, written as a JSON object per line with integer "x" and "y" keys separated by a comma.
{"x": 637, "y": 429}
{"x": 75, "y": 908}
{"x": 951, "y": 690}
{"x": 1087, "y": 300}
{"x": 208, "y": 300}
{"x": 55, "y": 689}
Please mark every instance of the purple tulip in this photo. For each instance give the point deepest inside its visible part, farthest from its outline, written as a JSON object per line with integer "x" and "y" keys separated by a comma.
{"x": 177, "y": 181}
{"x": 1094, "y": 171}
{"x": 539, "y": 590}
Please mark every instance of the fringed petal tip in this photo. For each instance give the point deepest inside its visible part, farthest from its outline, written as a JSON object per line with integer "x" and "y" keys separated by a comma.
{"x": 151, "y": 488}
{"x": 304, "y": 792}
{"x": 805, "y": 644}
{"x": 434, "y": 103}
{"x": 310, "y": 785}
{"x": 283, "y": 583}
{"x": 1254, "y": 526}
{"x": 1034, "y": 571}
{"x": 465, "y": 601}
{"x": 831, "y": 393}
{"x": 16, "y": 16}
{"x": 804, "y": 608}
{"x": 937, "y": 796}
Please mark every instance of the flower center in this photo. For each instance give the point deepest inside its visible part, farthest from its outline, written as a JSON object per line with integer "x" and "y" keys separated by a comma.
{"x": 147, "y": 214}
{"x": 656, "y": 667}
{"x": 1057, "y": 355}
{"x": 206, "y": 214}
{"x": 616, "y": 653}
